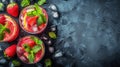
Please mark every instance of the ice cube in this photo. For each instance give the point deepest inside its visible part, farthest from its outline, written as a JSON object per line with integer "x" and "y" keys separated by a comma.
{"x": 0, "y": 49}
{"x": 58, "y": 54}
{"x": 49, "y": 42}
{"x": 53, "y": 7}
{"x": 55, "y": 14}
{"x": 51, "y": 49}
{"x": 34, "y": 28}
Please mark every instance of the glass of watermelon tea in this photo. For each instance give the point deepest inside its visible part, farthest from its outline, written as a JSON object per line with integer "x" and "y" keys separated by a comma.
{"x": 30, "y": 49}
{"x": 9, "y": 29}
{"x": 33, "y": 19}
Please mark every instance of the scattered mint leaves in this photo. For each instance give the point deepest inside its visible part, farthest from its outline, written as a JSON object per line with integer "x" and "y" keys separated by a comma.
{"x": 52, "y": 35}
{"x": 16, "y": 63}
{"x": 41, "y": 2}
{"x": 3, "y": 29}
{"x": 25, "y": 3}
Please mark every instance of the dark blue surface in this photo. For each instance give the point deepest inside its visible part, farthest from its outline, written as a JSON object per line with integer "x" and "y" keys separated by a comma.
{"x": 88, "y": 32}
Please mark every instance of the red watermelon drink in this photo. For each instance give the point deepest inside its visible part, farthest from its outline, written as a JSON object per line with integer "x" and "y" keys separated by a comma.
{"x": 30, "y": 49}
{"x": 33, "y": 19}
{"x": 9, "y": 29}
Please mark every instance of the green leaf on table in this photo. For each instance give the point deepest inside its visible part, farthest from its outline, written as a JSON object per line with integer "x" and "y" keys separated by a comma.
{"x": 41, "y": 2}
{"x": 31, "y": 57}
{"x": 27, "y": 47}
{"x": 25, "y": 3}
{"x": 36, "y": 48}
{"x": 16, "y": 63}
{"x": 52, "y": 35}
{"x": 1, "y": 6}
{"x": 48, "y": 63}
{"x": 37, "y": 41}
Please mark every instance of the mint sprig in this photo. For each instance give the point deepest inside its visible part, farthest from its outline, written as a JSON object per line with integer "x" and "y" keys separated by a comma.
{"x": 31, "y": 57}
{"x": 37, "y": 41}
{"x": 3, "y": 29}
{"x": 41, "y": 2}
{"x": 36, "y": 48}
{"x": 38, "y": 12}
{"x": 32, "y": 51}
{"x": 25, "y": 3}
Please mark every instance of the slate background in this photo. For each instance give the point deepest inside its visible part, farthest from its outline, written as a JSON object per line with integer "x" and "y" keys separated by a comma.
{"x": 88, "y": 32}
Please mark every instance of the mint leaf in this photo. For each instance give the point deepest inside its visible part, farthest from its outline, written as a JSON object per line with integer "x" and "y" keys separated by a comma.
{"x": 52, "y": 35}
{"x": 7, "y": 30}
{"x": 32, "y": 13}
{"x": 3, "y": 29}
{"x": 16, "y": 63}
{"x": 25, "y": 3}
{"x": 48, "y": 63}
{"x": 43, "y": 17}
{"x": 1, "y": 6}
{"x": 41, "y": 2}
{"x": 38, "y": 9}
{"x": 31, "y": 57}
{"x": 37, "y": 41}
{"x": 35, "y": 49}
{"x": 1, "y": 36}
{"x": 39, "y": 21}
{"x": 26, "y": 47}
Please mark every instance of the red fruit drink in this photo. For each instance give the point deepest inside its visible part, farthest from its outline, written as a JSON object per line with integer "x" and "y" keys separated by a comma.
{"x": 30, "y": 49}
{"x": 9, "y": 29}
{"x": 33, "y": 20}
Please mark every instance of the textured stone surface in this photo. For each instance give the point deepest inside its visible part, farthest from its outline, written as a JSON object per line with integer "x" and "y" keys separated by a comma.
{"x": 88, "y": 32}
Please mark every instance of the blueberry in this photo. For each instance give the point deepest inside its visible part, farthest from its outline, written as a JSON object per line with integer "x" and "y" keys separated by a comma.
{"x": 4, "y": 45}
{"x": 44, "y": 37}
{"x": 3, "y": 61}
{"x": 49, "y": 42}
{"x": 5, "y": 2}
{"x": 53, "y": 28}
{"x": 39, "y": 65}
{"x": 11, "y": 64}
